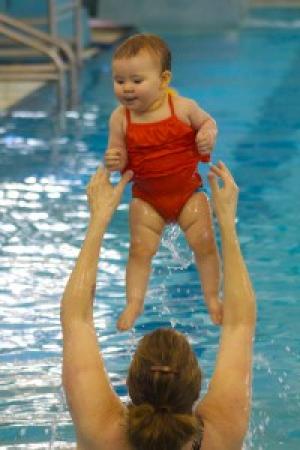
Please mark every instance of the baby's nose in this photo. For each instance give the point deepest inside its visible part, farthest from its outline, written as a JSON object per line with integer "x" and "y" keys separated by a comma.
{"x": 128, "y": 87}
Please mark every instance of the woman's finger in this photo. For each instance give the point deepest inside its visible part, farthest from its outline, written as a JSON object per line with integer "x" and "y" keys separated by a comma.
{"x": 216, "y": 170}
{"x": 224, "y": 168}
{"x": 124, "y": 180}
{"x": 112, "y": 158}
{"x": 100, "y": 167}
{"x": 106, "y": 172}
{"x": 213, "y": 181}
{"x": 226, "y": 174}
{"x": 102, "y": 173}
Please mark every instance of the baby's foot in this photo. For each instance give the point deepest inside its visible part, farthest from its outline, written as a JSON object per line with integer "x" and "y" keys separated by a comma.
{"x": 215, "y": 309}
{"x": 128, "y": 317}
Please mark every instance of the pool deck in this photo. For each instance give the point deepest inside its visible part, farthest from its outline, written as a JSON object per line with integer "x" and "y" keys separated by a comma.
{"x": 276, "y": 3}
{"x": 105, "y": 34}
{"x": 13, "y": 92}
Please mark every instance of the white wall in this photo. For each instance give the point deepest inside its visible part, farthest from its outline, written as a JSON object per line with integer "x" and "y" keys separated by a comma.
{"x": 177, "y": 15}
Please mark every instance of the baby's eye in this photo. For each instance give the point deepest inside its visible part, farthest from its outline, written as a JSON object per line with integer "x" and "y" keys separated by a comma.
{"x": 119, "y": 81}
{"x": 137, "y": 81}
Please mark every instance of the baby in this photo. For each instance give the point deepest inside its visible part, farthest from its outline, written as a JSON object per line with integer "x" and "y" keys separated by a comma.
{"x": 161, "y": 137}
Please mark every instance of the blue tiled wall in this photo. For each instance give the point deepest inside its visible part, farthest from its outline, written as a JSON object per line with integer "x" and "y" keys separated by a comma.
{"x": 187, "y": 15}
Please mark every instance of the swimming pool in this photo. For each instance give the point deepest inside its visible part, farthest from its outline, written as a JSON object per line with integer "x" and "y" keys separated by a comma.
{"x": 249, "y": 81}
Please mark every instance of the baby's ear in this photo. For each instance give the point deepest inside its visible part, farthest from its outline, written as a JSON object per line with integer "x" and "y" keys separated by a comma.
{"x": 166, "y": 77}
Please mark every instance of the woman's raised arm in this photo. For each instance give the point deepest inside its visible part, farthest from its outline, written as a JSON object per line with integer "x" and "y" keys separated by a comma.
{"x": 92, "y": 402}
{"x": 228, "y": 401}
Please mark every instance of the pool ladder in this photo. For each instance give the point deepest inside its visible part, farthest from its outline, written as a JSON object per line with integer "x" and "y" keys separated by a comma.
{"x": 31, "y": 42}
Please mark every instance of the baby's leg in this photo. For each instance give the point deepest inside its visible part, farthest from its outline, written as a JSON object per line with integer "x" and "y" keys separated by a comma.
{"x": 196, "y": 221}
{"x": 146, "y": 227}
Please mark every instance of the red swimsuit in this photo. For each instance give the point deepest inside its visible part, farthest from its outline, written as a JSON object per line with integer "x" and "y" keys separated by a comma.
{"x": 163, "y": 156}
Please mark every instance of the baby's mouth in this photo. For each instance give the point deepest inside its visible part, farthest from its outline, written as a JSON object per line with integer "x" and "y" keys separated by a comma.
{"x": 130, "y": 99}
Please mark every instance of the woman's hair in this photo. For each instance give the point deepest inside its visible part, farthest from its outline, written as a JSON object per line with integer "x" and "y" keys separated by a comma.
{"x": 147, "y": 42}
{"x": 164, "y": 381}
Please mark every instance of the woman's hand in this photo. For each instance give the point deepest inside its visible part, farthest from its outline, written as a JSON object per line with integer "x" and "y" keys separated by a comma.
{"x": 115, "y": 159}
{"x": 103, "y": 197}
{"x": 224, "y": 198}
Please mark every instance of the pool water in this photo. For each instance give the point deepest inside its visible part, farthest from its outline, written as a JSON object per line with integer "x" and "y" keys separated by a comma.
{"x": 249, "y": 80}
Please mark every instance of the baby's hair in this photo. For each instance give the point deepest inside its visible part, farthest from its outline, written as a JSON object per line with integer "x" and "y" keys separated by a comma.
{"x": 148, "y": 42}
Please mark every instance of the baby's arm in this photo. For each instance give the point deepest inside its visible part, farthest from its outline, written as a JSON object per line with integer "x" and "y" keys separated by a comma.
{"x": 116, "y": 154}
{"x": 206, "y": 126}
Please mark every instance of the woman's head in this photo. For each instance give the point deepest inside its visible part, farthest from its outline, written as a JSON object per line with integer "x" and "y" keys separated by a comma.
{"x": 141, "y": 70}
{"x": 164, "y": 381}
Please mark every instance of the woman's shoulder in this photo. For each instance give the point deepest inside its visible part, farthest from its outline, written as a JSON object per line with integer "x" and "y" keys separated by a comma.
{"x": 112, "y": 436}
{"x": 219, "y": 430}
{"x": 214, "y": 440}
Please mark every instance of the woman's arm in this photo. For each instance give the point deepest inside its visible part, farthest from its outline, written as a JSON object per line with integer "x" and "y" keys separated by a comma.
{"x": 92, "y": 402}
{"x": 228, "y": 401}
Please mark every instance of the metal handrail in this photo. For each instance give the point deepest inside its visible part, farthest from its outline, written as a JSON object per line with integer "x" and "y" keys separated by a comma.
{"x": 48, "y": 51}
{"x": 60, "y": 46}
{"x": 55, "y": 10}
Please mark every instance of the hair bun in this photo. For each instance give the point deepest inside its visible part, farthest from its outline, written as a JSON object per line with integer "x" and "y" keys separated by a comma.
{"x": 165, "y": 409}
{"x": 150, "y": 427}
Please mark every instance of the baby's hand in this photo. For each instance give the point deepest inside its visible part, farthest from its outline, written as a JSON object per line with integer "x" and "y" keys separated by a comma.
{"x": 115, "y": 159}
{"x": 205, "y": 140}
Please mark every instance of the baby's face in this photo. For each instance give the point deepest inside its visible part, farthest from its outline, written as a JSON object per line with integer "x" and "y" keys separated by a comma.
{"x": 137, "y": 81}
